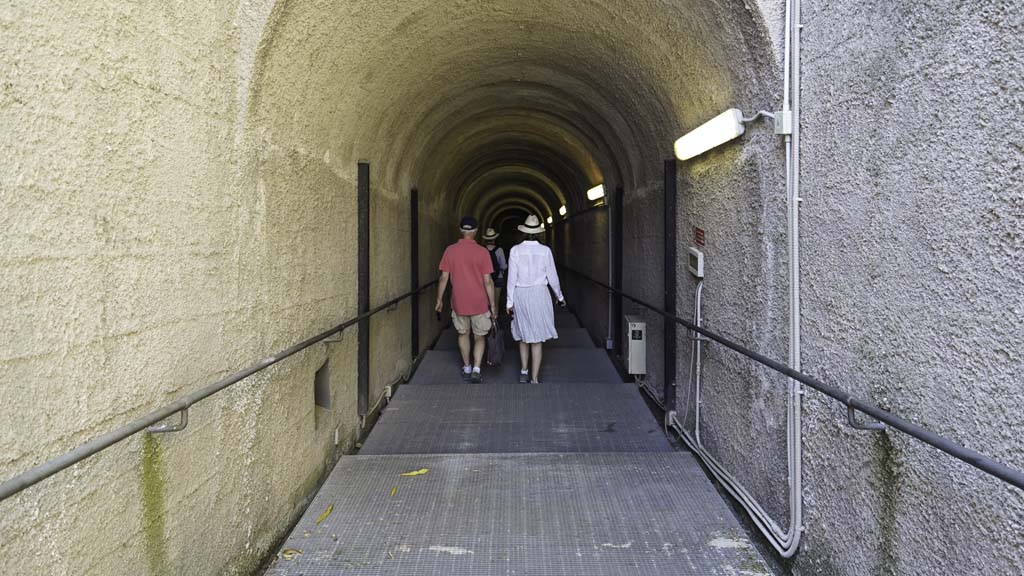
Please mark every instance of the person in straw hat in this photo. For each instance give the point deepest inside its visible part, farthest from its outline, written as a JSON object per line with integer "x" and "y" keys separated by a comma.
{"x": 497, "y": 261}
{"x": 531, "y": 269}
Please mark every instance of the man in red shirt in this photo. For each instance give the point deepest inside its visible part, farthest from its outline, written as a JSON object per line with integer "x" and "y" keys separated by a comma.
{"x": 468, "y": 266}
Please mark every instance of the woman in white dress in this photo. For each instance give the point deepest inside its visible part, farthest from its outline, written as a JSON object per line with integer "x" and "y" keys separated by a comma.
{"x": 531, "y": 269}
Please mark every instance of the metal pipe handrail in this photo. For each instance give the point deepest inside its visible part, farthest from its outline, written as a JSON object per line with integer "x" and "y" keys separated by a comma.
{"x": 49, "y": 468}
{"x": 972, "y": 457}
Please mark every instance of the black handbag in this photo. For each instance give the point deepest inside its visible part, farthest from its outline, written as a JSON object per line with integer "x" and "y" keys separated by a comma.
{"x": 495, "y": 346}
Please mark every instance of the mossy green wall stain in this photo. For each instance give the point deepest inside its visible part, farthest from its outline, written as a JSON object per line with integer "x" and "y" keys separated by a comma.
{"x": 153, "y": 515}
{"x": 889, "y": 474}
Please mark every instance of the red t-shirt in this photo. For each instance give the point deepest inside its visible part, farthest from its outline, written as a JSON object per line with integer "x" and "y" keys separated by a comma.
{"x": 467, "y": 262}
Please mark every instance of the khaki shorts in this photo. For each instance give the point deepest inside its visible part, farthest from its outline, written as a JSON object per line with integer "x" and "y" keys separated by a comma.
{"x": 481, "y": 323}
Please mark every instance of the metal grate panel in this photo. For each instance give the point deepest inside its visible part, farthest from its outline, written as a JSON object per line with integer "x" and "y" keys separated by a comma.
{"x": 559, "y": 366}
{"x": 567, "y": 338}
{"x": 468, "y": 418}
{"x": 573, "y": 476}
{"x": 540, "y": 514}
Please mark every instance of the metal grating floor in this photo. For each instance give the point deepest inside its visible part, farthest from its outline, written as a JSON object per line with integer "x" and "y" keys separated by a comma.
{"x": 567, "y": 338}
{"x": 464, "y": 418}
{"x": 540, "y": 514}
{"x": 559, "y": 366}
{"x": 569, "y": 477}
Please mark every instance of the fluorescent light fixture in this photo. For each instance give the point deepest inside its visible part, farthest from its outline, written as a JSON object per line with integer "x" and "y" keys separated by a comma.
{"x": 562, "y": 210}
{"x": 550, "y": 219}
{"x": 596, "y": 193}
{"x": 714, "y": 132}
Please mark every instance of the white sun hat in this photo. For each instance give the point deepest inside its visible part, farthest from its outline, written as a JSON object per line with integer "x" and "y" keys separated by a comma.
{"x": 490, "y": 234}
{"x": 532, "y": 225}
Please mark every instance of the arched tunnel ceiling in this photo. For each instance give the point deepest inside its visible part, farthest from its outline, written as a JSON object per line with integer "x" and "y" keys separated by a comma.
{"x": 455, "y": 96}
{"x": 521, "y": 189}
{"x": 537, "y": 137}
{"x": 509, "y": 168}
{"x": 511, "y": 199}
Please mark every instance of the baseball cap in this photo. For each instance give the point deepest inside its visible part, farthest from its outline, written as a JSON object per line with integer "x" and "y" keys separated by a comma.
{"x": 468, "y": 223}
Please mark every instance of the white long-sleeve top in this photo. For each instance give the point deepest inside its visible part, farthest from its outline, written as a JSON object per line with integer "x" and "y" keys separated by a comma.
{"x": 531, "y": 263}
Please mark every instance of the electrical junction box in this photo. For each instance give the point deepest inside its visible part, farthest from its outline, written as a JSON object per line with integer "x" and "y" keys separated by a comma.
{"x": 636, "y": 345}
{"x": 784, "y": 123}
{"x": 695, "y": 262}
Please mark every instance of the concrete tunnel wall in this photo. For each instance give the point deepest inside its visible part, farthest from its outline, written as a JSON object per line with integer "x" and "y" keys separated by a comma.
{"x": 179, "y": 199}
{"x": 913, "y": 221}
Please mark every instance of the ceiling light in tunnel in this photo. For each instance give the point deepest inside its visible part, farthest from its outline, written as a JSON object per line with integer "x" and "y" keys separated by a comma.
{"x": 714, "y": 132}
{"x": 550, "y": 219}
{"x": 562, "y": 210}
{"x": 596, "y": 193}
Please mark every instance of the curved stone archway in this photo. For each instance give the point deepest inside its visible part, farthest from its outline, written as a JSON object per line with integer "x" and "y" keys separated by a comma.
{"x": 230, "y": 134}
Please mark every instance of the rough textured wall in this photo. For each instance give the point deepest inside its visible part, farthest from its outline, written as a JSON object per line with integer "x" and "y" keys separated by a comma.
{"x": 643, "y": 267}
{"x": 736, "y": 70}
{"x": 433, "y": 240}
{"x": 913, "y": 261}
{"x": 179, "y": 183}
{"x": 151, "y": 244}
{"x": 736, "y": 195}
{"x": 390, "y": 353}
{"x": 584, "y": 247}
{"x": 911, "y": 270}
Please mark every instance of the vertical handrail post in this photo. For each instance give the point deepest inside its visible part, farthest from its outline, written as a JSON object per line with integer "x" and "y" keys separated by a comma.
{"x": 363, "y": 295}
{"x": 671, "y": 200}
{"x": 414, "y": 269}
{"x": 617, "y": 203}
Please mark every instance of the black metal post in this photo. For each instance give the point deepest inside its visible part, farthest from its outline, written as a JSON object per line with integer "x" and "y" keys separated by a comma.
{"x": 617, "y": 203}
{"x": 670, "y": 282}
{"x": 414, "y": 268}
{"x": 363, "y": 295}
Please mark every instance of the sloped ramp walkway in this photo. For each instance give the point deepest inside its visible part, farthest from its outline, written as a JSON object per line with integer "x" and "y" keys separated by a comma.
{"x": 562, "y": 366}
{"x": 567, "y": 338}
{"x": 459, "y": 418}
{"x": 571, "y": 477}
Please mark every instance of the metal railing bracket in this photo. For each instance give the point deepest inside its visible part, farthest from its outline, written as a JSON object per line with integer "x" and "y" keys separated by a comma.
{"x": 851, "y": 419}
{"x": 164, "y": 428}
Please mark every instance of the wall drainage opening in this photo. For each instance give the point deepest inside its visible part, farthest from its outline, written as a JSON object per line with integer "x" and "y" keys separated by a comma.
{"x": 321, "y": 391}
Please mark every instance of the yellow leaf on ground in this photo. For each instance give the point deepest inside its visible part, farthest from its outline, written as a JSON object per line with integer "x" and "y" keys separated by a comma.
{"x": 289, "y": 553}
{"x": 325, "y": 514}
{"x": 419, "y": 472}
{"x": 394, "y": 489}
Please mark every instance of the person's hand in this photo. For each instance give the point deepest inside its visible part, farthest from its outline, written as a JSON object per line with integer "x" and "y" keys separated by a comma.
{"x": 494, "y": 313}
{"x": 438, "y": 306}
{"x": 509, "y": 311}
{"x": 561, "y": 303}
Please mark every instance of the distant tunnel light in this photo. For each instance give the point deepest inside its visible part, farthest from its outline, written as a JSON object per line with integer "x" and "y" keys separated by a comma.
{"x": 596, "y": 193}
{"x": 562, "y": 210}
{"x": 714, "y": 132}
{"x": 550, "y": 219}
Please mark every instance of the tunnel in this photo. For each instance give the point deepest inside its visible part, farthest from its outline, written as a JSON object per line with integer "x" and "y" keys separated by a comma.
{"x": 190, "y": 187}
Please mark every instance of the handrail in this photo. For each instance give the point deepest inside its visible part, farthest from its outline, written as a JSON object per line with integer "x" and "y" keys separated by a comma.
{"x": 49, "y": 468}
{"x": 972, "y": 457}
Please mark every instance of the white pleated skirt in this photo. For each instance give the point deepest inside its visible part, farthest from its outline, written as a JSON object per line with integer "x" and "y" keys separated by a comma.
{"x": 533, "y": 317}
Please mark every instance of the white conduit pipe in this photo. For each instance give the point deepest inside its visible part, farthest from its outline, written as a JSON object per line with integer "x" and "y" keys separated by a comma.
{"x": 785, "y": 541}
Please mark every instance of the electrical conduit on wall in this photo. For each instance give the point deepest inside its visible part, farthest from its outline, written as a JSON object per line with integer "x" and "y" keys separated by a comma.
{"x": 785, "y": 541}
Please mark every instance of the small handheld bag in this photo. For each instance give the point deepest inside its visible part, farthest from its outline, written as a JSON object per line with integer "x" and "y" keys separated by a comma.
{"x": 495, "y": 346}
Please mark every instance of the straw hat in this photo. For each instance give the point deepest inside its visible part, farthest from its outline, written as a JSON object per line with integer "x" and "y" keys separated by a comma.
{"x": 490, "y": 234}
{"x": 532, "y": 225}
